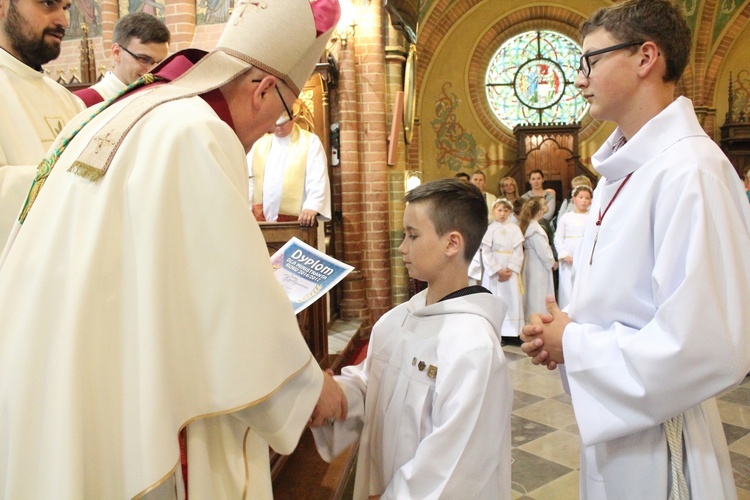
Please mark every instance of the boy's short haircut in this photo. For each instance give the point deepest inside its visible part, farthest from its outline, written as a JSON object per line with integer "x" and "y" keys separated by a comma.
{"x": 659, "y": 21}
{"x": 463, "y": 176}
{"x": 582, "y": 187}
{"x": 455, "y": 205}
{"x": 140, "y": 25}
{"x": 479, "y": 172}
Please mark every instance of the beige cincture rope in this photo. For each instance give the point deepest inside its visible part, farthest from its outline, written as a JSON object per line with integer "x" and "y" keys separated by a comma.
{"x": 673, "y": 428}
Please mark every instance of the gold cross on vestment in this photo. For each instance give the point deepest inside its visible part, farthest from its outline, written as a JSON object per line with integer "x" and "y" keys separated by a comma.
{"x": 100, "y": 141}
{"x": 256, "y": 4}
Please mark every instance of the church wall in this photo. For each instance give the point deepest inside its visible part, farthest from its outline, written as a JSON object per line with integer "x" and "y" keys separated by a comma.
{"x": 455, "y": 133}
{"x": 736, "y": 60}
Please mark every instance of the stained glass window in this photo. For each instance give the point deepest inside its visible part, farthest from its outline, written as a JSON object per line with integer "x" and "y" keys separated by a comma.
{"x": 530, "y": 80}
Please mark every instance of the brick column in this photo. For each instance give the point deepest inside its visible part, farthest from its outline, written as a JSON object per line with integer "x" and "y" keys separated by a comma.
{"x": 353, "y": 304}
{"x": 371, "y": 87}
{"x": 180, "y": 19}
{"x": 396, "y": 52}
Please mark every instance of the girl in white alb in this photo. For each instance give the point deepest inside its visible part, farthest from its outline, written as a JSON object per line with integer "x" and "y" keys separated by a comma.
{"x": 570, "y": 227}
{"x": 538, "y": 261}
{"x": 502, "y": 256}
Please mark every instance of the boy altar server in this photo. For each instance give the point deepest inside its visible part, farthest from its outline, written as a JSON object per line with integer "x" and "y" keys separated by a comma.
{"x": 138, "y": 309}
{"x": 657, "y": 323}
{"x": 431, "y": 402}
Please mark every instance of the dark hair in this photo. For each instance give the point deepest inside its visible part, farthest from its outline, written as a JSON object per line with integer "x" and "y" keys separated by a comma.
{"x": 463, "y": 176}
{"x": 455, "y": 205}
{"x": 531, "y": 209}
{"x": 140, "y": 25}
{"x": 536, "y": 171}
{"x": 659, "y": 21}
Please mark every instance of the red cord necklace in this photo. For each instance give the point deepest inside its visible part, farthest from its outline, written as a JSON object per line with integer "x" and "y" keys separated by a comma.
{"x": 602, "y": 214}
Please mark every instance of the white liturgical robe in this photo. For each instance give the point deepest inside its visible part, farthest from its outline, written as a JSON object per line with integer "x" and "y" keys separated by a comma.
{"x": 538, "y": 261}
{"x": 502, "y": 248}
{"x": 568, "y": 236}
{"x": 430, "y": 404}
{"x": 142, "y": 303}
{"x": 33, "y": 110}
{"x": 660, "y": 311}
{"x": 109, "y": 86}
{"x": 317, "y": 189}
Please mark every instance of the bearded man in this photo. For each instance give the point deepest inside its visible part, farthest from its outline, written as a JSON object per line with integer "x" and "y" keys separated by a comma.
{"x": 33, "y": 107}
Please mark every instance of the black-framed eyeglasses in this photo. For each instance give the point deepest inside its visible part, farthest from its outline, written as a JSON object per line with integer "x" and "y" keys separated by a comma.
{"x": 286, "y": 108}
{"x": 584, "y": 66}
{"x": 145, "y": 60}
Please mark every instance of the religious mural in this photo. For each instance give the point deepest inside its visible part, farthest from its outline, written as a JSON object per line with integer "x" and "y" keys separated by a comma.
{"x": 154, "y": 7}
{"x": 456, "y": 148}
{"x": 84, "y": 12}
{"x": 213, "y": 11}
{"x": 726, "y": 9}
{"x": 740, "y": 98}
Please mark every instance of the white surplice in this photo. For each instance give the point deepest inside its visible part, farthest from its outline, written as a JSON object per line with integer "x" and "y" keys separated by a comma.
{"x": 538, "y": 261}
{"x": 570, "y": 227}
{"x": 317, "y": 195}
{"x": 431, "y": 402}
{"x": 109, "y": 86}
{"x": 33, "y": 110}
{"x": 502, "y": 248}
{"x": 660, "y": 315}
{"x": 141, "y": 303}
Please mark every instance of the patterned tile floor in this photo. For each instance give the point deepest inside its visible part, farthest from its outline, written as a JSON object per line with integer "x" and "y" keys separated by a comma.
{"x": 545, "y": 434}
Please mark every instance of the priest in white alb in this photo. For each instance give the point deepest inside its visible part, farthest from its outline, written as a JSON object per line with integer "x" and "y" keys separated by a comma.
{"x": 289, "y": 175}
{"x": 33, "y": 107}
{"x": 139, "y": 316}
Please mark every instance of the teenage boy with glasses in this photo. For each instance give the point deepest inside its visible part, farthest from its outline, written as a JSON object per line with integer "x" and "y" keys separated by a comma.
{"x": 653, "y": 331}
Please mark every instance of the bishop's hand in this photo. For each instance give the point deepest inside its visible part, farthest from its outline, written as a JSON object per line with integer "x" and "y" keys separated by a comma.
{"x": 331, "y": 405}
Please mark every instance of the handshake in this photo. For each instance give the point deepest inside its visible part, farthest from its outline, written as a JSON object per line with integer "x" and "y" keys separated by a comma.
{"x": 331, "y": 405}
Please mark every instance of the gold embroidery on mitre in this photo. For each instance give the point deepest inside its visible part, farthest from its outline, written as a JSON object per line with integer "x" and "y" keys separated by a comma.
{"x": 432, "y": 372}
{"x": 244, "y": 4}
{"x": 86, "y": 171}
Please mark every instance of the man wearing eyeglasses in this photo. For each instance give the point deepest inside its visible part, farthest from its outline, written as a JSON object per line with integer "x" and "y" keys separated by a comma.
{"x": 33, "y": 107}
{"x": 140, "y": 42}
{"x": 289, "y": 174}
{"x": 657, "y": 324}
{"x": 139, "y": 314}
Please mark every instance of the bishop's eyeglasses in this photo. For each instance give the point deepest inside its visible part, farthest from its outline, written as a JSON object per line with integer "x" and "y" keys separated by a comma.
{"x": 584, "y": 66}
{"x": 286, "y": 107}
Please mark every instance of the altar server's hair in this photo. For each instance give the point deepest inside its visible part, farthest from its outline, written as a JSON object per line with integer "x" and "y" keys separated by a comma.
{"x": 455, "y": 205}
{"x": 660, "y": 21}
{"x": 145, "y": 27}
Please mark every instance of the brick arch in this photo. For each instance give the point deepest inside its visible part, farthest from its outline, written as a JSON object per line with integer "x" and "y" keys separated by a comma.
{"x": 713, "y": 64}
{"x": 480, "y": 61}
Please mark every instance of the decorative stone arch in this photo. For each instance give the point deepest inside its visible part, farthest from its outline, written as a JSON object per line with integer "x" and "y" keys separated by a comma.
{"x": 713, "y": 64}
{"x": 480, "y": 61}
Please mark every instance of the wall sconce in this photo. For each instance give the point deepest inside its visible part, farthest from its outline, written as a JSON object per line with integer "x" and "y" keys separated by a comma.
{"x": 412, "y": 179}
{"x": 346, "y": 33}
{"x": 351, "y": 12}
